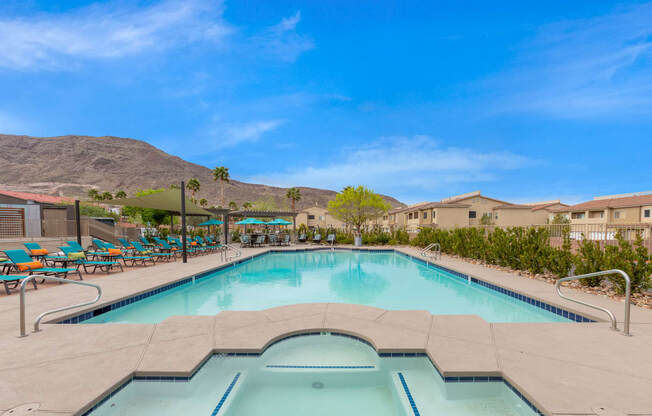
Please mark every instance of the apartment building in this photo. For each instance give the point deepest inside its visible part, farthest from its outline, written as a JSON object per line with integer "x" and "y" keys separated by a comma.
{"x": 314, "y": 217}
{"x": 536, "y": 213}
{"x": 611, "y": 209}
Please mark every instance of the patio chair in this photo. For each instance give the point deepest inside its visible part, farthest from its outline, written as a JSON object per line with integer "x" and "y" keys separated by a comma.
{"x": 176, "y": 243}
{"x": 104, "y": 266}
{"x": 24, "y": 263}
{"x": 302, "y": 238}
{"x": 145, "y": 242}
{"x": 14, "y": 281}
{"x": 165, "y": 247}
{"x": 204, "y": 244}
{"x": 316, "y": 239}
{"x": 245, "y": 240}
{"x": 286, "y": 240}
{"x": 36, "y": 251}
{"x": 330, "y": 239}
{"x": 260, "y": 240}
{"x": 125, "y": 244}
{"x": 113, "y": 252}
{"x": 142, "y": 251}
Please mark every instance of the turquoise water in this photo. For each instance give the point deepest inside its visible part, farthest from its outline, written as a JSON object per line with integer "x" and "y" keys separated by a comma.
{"x": 383, "y": 279}
{"x": 321, "y": 375}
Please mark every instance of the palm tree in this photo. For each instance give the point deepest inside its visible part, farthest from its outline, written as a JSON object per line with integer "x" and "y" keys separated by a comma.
{"x": 246, "y": 205}
{"x": 294, "y": 195}
{"x": 193, "y": 186}
{"x": 93, "y": 194}
{"x": 233, "y": 206}
{"x": 106, "y": 196}
{"x": 221, "y": 174}
{"x": 120, "y": 195}
{"x": 203, "y": 202}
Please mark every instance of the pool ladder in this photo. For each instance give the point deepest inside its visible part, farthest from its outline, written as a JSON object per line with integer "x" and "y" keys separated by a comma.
{"x": 425, "y": 252}
{"x": 628, "y": 290}
{"x": 236, "y": 252}
{"x": 37, "y": 322}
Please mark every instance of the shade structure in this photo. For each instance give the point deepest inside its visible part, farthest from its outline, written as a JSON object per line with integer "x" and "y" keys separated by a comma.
{"x": 279, "y": 221}
{"x": 167, "y": 200}
{"x": 249, "y": 221}
{"x": 210, "y": 222}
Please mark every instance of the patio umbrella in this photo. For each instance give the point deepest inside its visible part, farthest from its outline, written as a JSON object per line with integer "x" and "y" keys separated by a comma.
{"x": 279, "y": 221}
{"x": 248, "y": 221}
{"x": 211, "y": 222}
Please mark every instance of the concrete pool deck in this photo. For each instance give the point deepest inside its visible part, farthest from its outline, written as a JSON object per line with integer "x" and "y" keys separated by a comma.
{"x": 562, "y": 368}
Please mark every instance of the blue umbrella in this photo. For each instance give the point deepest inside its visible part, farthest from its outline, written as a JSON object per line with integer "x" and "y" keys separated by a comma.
{"x": 211, "y": 222}
{"x": 248, "y": 221}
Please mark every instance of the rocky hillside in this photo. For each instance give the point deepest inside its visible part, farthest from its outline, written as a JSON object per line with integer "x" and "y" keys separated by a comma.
{"x": 71, "y": 165}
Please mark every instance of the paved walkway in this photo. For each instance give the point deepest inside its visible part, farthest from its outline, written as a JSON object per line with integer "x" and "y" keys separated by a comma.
{"x": 563, "y": 368}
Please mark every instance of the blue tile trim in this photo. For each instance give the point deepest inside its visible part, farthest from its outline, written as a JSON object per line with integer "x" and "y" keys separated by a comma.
{"x": 408, "y": 394}
{"x": 209, "y": 273}
{"x": 225, "y": 395}
{"x": 337, "y": 367}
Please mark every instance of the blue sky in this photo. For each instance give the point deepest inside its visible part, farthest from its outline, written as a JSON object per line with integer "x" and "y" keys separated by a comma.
{"x": 421, "y": 100}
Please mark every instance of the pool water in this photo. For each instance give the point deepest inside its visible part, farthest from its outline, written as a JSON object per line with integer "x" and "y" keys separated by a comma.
{"x": 315, "y": 375}
{"x": 386, "y": 280}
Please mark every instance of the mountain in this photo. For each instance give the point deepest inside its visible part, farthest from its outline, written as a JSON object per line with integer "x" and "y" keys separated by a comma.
{"x": 71, "y": 165}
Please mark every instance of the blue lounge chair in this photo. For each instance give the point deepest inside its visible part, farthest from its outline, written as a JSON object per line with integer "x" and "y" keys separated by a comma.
{"x": 13, "y": 280}
{"x": 36, "y": 251}
{"x": 77, "y": 247}
{"x": 145, "y": 243}
{"x": 22, "y": 260}
{"x": 165, "y": 247}
{"x": 125, "y": 257}
{"x": 125, "y": 244}
{"x": 316, "y": 239}
{"x": 104, "y": 266}
{"x": 176, "y": 243}
{"x": 141, "y": 250}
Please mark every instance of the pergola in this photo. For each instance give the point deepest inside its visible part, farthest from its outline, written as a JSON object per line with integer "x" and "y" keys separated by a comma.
{"x": 257, "y": 214}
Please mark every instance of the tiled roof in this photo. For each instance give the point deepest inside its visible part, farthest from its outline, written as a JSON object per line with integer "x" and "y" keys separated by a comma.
{"x": 530, "y": 207}
{"x": 629, "y": 201}
{"x": 47, "y": 199}
{"x": 473, "y": 195}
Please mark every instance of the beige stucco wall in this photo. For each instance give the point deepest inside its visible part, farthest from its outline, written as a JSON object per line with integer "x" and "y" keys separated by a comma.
{"x": 627, "y": 215}
{"x": 480, "y": 205}
{"x": 322, "y": 218}
{"x": 643, "y": 219}
{"x": 451, "y": 217}
{"x": 520, "y": 217}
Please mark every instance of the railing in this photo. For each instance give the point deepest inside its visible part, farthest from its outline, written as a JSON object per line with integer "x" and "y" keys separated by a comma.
{"x": 614, "y": 324}
{"x": 425, "y": 252}
{"x": 236, "y": 252}
{"x": 65, "y": 308}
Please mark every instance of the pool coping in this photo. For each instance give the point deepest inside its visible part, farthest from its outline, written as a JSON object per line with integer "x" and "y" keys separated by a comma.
{"x": 88, "y": 313}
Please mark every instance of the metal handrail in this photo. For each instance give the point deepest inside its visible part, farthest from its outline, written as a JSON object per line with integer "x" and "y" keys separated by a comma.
{"x": 237, "y": 251}
{"x": 65, "y": 308}
{"x": 614, "y": 324}
{"x": 425, "y": 250}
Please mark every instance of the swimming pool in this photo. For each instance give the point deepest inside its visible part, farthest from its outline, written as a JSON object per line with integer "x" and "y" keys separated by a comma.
{"x": 384, "y": 279}
{"x": 318, "y": 375}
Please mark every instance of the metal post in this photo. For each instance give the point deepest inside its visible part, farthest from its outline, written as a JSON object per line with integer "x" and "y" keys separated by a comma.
{"x": 225, "y": 218}
{"x": 183, "y": 222}
{"x": 294, "y": 226}
{"x": 171, "y": 222}
{"x": 78, "y": 221}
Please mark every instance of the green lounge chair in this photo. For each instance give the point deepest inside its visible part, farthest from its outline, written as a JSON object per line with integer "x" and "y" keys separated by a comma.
{"x": 13, "y": 280}
{"x": 140, "y": 249}
{"x": 104, "y": 266}
{"x": 20, "y": 256}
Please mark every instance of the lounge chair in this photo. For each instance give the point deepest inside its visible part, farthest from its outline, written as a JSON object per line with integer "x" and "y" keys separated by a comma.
{"x": 286, "y": 240}
{"x": 145, "y": 242}
{"x": 176, "y": 242}
{"x": 13, "y": 280}
{"x": 260, "y": 240}
{"x": 142, "y": 251}
{"x": 24, "y": 263}
{"x": 104, "y": 266}
{"x": 316, "y": 239}
{"x": 302, "y": 238}
{"x": 165, "y": 247}
{"x": 112, "y": 252}
{"x": 330, "y": 239}
{"x": 245, "y": 241}
{"x": 205, "y": 244}
{"x": 125, "y": 245}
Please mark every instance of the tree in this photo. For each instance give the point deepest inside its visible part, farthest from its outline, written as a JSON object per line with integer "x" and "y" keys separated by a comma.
{"x": 106, "y": 196}
{"x": 193, "y": 186}
{"x": 221, "y": 174}
{"x": 120, "y": 195}
{"x": 355, "y": 206}
{"x": 233, "y": 206}
{"x": 294, "y": 195}
{"x": 93, "y": 194}
{"x": 246, "y": 205}
{"x": 203, "y": 202}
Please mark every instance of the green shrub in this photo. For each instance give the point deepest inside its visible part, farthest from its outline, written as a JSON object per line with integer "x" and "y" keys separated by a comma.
{"x": 634, "y": 261}
{"x": 590, "y": 258}
{"x": 560, "y": 260}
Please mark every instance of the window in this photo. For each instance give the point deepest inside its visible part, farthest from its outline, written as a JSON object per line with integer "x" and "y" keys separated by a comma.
{"x": 434, "y": 213}
{"x": 425, "y": 215}
{"x": 321, "y": 218}
{"x": 619, "y": 214}
{"x": 646, "y": 213}
{"x": 577, "y": 215}
{"x": 311, "y": 217}
{"x": 472, "y": 214}
{"x": 596, "y": 214}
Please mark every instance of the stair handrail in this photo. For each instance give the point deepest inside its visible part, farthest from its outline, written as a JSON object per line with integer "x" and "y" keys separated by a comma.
{"x": 23, "y": 284}
{"x": 424, "y": 251}
{"x": 237, "y": 251}
{"x": 612, "y": 317}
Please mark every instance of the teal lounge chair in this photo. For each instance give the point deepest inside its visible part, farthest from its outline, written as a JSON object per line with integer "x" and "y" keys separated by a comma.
{"x": 77, "y": 247}
{"x": 144, "y": 242}
{"x": 142, "y": 259}
{"x": 43, "y": 257}
{"x": 104, "y": 266}
{"x": 20, "y": 256}
{"x": 125, "y": 244}
{"x": 165, "y": 247}
{"x": 176, "y": 243}
{"x": 15, "y": 281}
{"x": 140, "y": 249}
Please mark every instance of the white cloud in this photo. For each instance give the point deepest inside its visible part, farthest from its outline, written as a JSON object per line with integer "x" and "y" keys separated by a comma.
{"x": 282, "y": 41}
{"x": 399, "y": 163}
{"x": 584, "y": 68}
{"x": 106, "y": 31}
{"x": 232, "y": 134}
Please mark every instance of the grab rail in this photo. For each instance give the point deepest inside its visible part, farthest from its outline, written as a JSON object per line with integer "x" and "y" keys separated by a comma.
{"x": 429, "y": 247}
{"x": 65, "y": 308}
{"x": 237, "y": 252}
{"x": 614, "y": 324}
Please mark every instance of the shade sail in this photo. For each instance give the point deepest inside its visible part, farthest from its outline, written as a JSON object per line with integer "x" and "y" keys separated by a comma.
{"x": 167, "y": 200}
{"x": 211, "y": 222}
